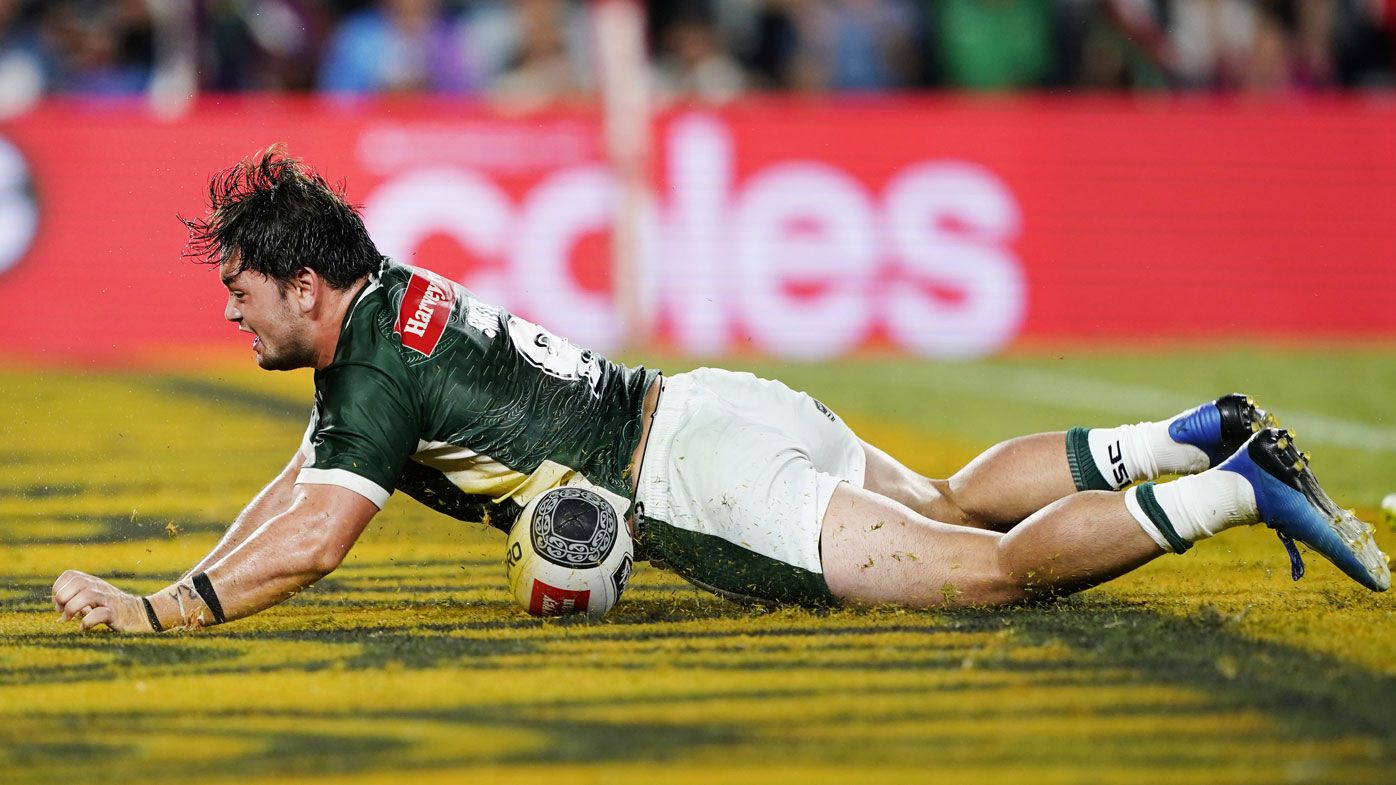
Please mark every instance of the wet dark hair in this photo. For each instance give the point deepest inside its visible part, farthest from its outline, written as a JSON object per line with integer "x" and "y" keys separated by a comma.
{"x": 280, "y": 218}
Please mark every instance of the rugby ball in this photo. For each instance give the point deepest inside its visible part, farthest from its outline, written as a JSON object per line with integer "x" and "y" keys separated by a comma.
{"x": 569, "y": 552}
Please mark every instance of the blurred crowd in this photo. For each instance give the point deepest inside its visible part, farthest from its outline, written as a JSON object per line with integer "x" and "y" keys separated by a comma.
{"x": 710, "y": 50}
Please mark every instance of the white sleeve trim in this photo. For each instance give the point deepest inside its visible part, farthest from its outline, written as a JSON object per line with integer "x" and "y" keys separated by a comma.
{"x": 307, "y": 447}
{"x": 345, "y": 479}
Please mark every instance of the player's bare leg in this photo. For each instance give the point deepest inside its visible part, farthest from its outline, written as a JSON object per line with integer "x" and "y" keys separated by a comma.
{"x": 1002, "y": 486}
{"x": 1014, "y": 479}
{"x": 877, "y": 550}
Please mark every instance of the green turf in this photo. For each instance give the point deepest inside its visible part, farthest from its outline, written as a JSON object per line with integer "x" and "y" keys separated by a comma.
{"x": 412, "y": 659}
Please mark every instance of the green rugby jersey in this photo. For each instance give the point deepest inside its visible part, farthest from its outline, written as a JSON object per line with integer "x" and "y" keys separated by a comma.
{"x": 465, "y": 407}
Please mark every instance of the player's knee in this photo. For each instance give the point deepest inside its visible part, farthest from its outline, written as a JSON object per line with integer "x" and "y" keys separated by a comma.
{"x": 980, "y": 582}
{"x": 993, "y": 583}
{"x": 965, "y": 594}
{"x": 1012, "y": 586}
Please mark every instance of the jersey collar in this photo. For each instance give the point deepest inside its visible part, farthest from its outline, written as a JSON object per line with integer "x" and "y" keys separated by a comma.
{"x": 373, "y": 284}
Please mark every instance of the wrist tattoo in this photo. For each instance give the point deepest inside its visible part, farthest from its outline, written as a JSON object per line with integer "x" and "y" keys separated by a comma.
{"x": 191, "y": 615}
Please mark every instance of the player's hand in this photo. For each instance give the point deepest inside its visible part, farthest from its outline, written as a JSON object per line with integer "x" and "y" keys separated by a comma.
{"x": 94, "y": 601}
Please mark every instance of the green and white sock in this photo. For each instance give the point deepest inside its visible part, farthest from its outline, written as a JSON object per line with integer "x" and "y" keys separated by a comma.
{"x": 1108, "y": 459}
{"x": 1176, "y": 514}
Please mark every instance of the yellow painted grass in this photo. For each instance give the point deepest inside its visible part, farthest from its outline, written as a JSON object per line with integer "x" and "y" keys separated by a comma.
{"x": 412, "y": 659}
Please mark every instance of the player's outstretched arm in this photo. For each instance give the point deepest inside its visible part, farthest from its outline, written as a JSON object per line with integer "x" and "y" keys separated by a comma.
{"x": 273, "y": 499}
{"x": 286, "y": 554}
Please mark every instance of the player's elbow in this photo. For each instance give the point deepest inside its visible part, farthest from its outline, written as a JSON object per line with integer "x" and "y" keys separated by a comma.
{"x": 324, "y": 522}
{"x": 326, "y": 558}
{"x": 320, "y": 556}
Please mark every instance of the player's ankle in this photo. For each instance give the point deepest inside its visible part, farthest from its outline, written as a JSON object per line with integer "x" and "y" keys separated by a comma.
{"x": 1109, "y": 459}
{"x": 1179, "y": 513}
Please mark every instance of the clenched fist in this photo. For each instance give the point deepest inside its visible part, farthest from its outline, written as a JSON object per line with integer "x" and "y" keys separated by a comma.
{"x": 94, "y": 601}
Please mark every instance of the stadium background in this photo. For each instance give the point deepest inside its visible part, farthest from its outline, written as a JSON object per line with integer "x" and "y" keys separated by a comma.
{"x": 954, "y": 221}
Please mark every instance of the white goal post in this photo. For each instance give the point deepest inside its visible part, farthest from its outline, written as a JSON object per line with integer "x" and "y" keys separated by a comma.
{"x": 623, "y": 70}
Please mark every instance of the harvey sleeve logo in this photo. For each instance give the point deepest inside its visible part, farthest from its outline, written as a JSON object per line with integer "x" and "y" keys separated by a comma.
{"x": 425, "y": 309}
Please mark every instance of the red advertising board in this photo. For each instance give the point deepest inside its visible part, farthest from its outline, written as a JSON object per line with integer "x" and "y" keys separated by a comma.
{"x": 939, "y": 226}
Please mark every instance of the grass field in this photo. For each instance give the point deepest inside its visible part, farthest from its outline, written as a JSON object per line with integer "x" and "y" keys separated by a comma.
{"x": 412, "y": 659}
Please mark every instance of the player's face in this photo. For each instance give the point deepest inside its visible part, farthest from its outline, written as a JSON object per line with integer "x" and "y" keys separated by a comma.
{"x": 260, "y": 307}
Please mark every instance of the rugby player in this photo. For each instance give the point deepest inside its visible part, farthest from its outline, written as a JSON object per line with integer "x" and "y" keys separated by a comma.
{"x": 738, "y": 484}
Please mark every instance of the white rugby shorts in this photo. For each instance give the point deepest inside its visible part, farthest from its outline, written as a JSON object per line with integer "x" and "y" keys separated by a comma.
{"x": 747, "y": 460}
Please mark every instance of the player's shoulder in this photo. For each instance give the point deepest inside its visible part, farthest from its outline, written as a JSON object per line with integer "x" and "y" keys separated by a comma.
{"x": 431, "y": 318}
{"x": 367, "y": 345}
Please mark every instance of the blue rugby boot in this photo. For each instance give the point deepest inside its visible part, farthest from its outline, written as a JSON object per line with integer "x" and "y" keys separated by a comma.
{"x": 1291, "y": 502}
{"x": 1220, "y": 427}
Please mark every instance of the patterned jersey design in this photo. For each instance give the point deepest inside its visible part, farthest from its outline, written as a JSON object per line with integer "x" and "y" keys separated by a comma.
{"x": 465, "y": 407}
